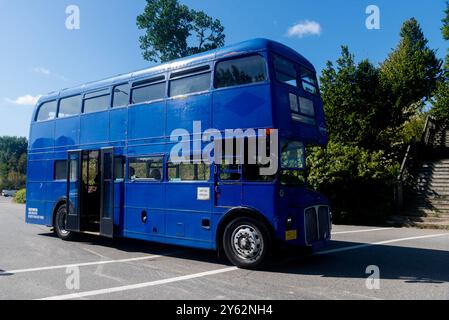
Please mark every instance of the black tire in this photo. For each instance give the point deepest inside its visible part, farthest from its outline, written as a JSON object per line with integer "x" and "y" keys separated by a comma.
{"x": 246, "y": 242}
{"x": 59, "y": 224}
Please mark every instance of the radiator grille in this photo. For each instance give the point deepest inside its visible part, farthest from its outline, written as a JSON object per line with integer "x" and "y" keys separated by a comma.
{"x": 317, "y": 224}
{"x": 311, "y": 226}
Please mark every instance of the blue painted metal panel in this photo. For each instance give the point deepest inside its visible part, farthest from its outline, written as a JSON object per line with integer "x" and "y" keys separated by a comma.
{"x": 185, "y": 212}
{"x": 42, "y": 135}
{"x": 94, "y": 128}
{"x": 36, "y": 206}
{"x": 187, "y": 226}
{"x": 146, "y": 121}
{"x": 229, "y": 194}
{"x": 67, "y": 132}
{"x": 145, "y": 195}
{"x": 184, "y": 196}
{"x": 246, "y": 107}
{"x": 153, "y": 228}
{"x": 182, "y": 112}
{"x": 146, "y": 147}
{"x": 118, "y": 124}
{"x": 261, "y": 197}
{"x": 37, "y": 171}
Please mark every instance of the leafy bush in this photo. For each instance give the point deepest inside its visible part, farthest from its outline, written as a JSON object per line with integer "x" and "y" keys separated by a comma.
{"x": 13, "y": 162}
{"x": 413, "y": 128}
{"x": 358, "y": 182}
{"x": 20, "y": 196}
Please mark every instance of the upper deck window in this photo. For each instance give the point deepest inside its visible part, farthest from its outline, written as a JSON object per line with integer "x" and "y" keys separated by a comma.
{"x": 97, "y": 101}
{"x": 69, "y": 107}
{"x": 47, "y": 111}
{"x": 121, "y": 96}
{"x": 309, "y": 81}
{"x": 295, "y": 75}
{"x": 240, "y": 71}
{"x": 286, "y": 71}
{"x": 188, "y": 85}
{"x": 148, "y": 93}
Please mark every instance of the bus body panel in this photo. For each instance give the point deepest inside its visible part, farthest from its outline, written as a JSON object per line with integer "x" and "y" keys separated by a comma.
{"x": 118, "y": 125}
{"x": 146, "y": 121}
{"x": 42, "y": 135}
{"x": 169, "y": 211}
{"x": 67, "y": 132}
{"x": 94, "y": 128}
{"x": 182, "y": 111}
{"x": 242, "y": 108}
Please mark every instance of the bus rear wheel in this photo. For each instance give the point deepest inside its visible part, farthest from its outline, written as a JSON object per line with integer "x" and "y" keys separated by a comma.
{"x": 246, "y": 242}
{"x": 60, "y": 224}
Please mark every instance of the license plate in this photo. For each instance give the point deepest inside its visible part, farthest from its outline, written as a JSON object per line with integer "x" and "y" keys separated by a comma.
{"x": 291, "y": 235}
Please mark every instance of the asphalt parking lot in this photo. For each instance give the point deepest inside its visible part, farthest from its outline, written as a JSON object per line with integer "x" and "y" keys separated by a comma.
{"x": 34, "y": 264}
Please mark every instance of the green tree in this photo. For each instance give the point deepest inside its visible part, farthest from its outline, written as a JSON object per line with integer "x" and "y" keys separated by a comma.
{"x": 372, "y": 112}
{"x": 410, "y": 74}
{"x": 358, "y": 181}
{"x": 351, "y": 95}
{"x": 13, "y": 158}
{"x": 441, "y": 100}
{"x": 172, "y": 31}
{"x": 20, "y": 196}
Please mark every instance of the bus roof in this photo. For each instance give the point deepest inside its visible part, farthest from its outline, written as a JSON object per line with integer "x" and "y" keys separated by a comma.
{"x": 253, "y": 45}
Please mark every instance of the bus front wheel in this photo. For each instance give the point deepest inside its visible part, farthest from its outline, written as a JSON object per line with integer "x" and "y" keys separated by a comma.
{"x": 60, "y": 224}
{"x": 246, "y": 242}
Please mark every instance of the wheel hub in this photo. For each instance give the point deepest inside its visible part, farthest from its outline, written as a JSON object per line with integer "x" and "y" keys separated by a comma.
{"x": 247, "y": 243}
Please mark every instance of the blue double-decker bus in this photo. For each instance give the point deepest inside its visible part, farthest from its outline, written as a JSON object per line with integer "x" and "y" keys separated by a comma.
{"x": 100, "y": 155}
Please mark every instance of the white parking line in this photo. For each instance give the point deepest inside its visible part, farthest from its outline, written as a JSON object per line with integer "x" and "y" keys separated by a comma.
{"x": 365, "y": 245}
{"x": 150, "y": 257}
{"x": 139, "y": 285}
{"x": 85, "y": 294}
{"x": 360, "y": 231}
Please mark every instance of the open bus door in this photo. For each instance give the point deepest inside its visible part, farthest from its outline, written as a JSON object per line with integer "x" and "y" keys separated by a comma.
{"x": 107, "y": 193}
{"x": 74, "y": 168}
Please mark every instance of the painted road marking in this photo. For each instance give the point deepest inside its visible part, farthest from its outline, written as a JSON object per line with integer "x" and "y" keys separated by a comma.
{"x": 215, "y": 272}
{"x": 95, "y": 263}
{"x": 139, "y": 285}
{"x": 360, "y": 231}
{"x": 366, "y": 245}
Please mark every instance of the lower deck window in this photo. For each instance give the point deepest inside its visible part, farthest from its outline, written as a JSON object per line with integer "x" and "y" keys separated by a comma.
{"x": 60, "y": 172}
{"x": 188, "y": 172}
{"x": 251, "y": 173}
{"x": 119, "y": 168}
{"x": 148, "y": 168}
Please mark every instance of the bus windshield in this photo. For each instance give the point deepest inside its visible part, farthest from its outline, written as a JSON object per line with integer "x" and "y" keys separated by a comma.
{"x": 293, "y": 155}
{"x": 293, "y": 163}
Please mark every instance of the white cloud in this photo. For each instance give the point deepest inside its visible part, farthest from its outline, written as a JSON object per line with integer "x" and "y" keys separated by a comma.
{"x": 46, "y": 72}
{"x": 26, "y": 100}
{"x": 304, "y": 28}
{"x": 42, "y": 70}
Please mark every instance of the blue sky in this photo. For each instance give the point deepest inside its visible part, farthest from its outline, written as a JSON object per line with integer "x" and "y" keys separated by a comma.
{"x": 40, "y": 55}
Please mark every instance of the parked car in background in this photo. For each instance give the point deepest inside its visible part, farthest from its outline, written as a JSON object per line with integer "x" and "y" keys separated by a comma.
{"x": 9, "y": 193}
